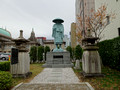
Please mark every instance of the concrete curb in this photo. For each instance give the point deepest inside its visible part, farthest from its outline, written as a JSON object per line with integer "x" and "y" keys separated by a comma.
{"x": 88, "y": 86}
{"x": 91, "y": 88}
{"x": 14, "y": 88}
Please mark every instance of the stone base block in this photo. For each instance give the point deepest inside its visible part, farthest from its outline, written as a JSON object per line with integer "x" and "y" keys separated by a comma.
{"x": 58, "y": 60}
{"x": 91, "y": 62}
{"x": 58, "y": 65}
{"x": 92, "y": 74}
{"x": 22, "y": 75}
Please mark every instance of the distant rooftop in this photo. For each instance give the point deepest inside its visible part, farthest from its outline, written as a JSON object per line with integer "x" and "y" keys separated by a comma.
{"x": 5, "y": 32}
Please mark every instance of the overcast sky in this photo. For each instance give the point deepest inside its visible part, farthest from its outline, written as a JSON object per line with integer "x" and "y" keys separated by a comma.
{"x": 38, "y": 14}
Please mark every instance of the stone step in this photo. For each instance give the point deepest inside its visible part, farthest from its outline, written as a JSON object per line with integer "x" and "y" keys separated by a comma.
{"x": 57, "y": 86}
{"x": 58, "y": 65}
{"x": 61, "y": 65}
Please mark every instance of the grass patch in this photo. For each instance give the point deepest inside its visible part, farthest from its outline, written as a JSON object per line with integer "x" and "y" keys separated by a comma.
{"x": 34, "y": 68}
{"x": 111, "y": 81}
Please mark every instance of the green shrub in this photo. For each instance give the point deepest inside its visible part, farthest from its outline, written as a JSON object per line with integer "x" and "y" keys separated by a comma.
{"x": 5, "y": 66}
{"x": 5, "y": 80}
{"x": 33, "y": 53}
{"x": 109, "y": 51}
{"x": 40, "y": 53}
{"x": 78, "y": 52}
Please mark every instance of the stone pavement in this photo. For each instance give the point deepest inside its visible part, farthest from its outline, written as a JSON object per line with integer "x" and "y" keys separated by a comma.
{"x": 55, "y": 79}
{"x": 56, "y": 75}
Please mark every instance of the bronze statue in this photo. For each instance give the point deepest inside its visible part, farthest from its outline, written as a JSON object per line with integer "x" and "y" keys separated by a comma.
{"x": 58, "y": 34}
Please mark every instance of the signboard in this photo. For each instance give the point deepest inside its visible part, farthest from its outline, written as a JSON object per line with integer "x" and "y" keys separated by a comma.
{"x": 14, "y": 56}
{"x": 58, "y": 56}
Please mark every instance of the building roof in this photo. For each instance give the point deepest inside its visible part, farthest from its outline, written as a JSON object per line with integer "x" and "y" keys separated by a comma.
{"x": 43, "y": 38}
{"x": 5, "y": 32}
{"x": 51, "y": 42}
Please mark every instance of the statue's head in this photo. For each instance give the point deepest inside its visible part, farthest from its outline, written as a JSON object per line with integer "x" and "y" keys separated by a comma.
{"x": 58, "y": 20}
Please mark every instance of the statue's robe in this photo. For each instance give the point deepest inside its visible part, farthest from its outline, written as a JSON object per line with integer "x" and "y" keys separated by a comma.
{"x": 58, "y": 33}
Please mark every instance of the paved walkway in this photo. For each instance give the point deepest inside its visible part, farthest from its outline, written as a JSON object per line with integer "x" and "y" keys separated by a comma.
{"x": 56, "y": 75}
{"x": 55, "y": 79}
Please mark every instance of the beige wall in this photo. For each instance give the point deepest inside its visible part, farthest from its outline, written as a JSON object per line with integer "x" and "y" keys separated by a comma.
{"x": 73, "y": 35}
{"x": 88, "y": 5}
{"x": 111, "y": 31}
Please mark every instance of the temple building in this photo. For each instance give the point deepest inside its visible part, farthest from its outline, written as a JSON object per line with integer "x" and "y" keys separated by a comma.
{"x": 32, "y": 40}
{"x": 5, "y": 38}
{"x": 41, "y": 40}
{"x": 6, "y": 42}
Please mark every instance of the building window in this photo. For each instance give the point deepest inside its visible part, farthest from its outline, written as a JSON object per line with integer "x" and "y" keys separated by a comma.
{"x": 119, "y": 31}
{"x": 108, "y": 19}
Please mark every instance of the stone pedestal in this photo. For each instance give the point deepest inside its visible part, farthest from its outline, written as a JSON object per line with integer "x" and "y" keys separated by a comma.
{"x": 91, "y": 61}
{"x": 58, "y": 60}
{"x": 22, "y": 68}
{"x": 77, "y": 64}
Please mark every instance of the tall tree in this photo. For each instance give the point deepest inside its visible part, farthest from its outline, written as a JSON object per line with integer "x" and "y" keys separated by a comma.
{"x": 33, "y": 53}
{"x": 40, "y": 53}
{"x": 78, "y": 52}
{"x": 96, "y": 23}
{"x": 69, "y": 49}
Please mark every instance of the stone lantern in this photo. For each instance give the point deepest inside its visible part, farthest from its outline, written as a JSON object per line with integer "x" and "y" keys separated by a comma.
{"x": 91, "y": 64}
{"x": 22, "y": 68}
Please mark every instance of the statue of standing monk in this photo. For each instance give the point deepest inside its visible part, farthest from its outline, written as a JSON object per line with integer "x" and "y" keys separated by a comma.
{"x": 58, "y": 34}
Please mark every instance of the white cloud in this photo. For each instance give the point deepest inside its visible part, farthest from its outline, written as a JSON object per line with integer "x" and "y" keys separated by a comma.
{"x": 37, "y": 14}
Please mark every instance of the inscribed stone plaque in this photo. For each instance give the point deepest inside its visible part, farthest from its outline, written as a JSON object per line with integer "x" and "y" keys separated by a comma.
{"x": 14, "y": 56}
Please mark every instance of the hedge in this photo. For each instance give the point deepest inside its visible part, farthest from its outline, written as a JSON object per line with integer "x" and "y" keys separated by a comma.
{"x": 5, "y": 80}
{"x": 78, "y": 52}
{"x": 109, "y": 51}
{"x": 5, "y": 66}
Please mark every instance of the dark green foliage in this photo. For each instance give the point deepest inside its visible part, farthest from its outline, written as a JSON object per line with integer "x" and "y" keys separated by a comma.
{"x": 109, "y": 51}
{"x": 40, "y": 53}
{"x": 47, "y": 49}
{"x": 78, "y": 52}
{"x": 5, "y": 66}
{"x": 5, "y": 80}
{"x": 33, "y": 53}
{"x": 69, "y": 49}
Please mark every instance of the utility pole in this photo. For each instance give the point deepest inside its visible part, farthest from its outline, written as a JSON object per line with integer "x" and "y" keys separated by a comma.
{"x": 83, "y": 19}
